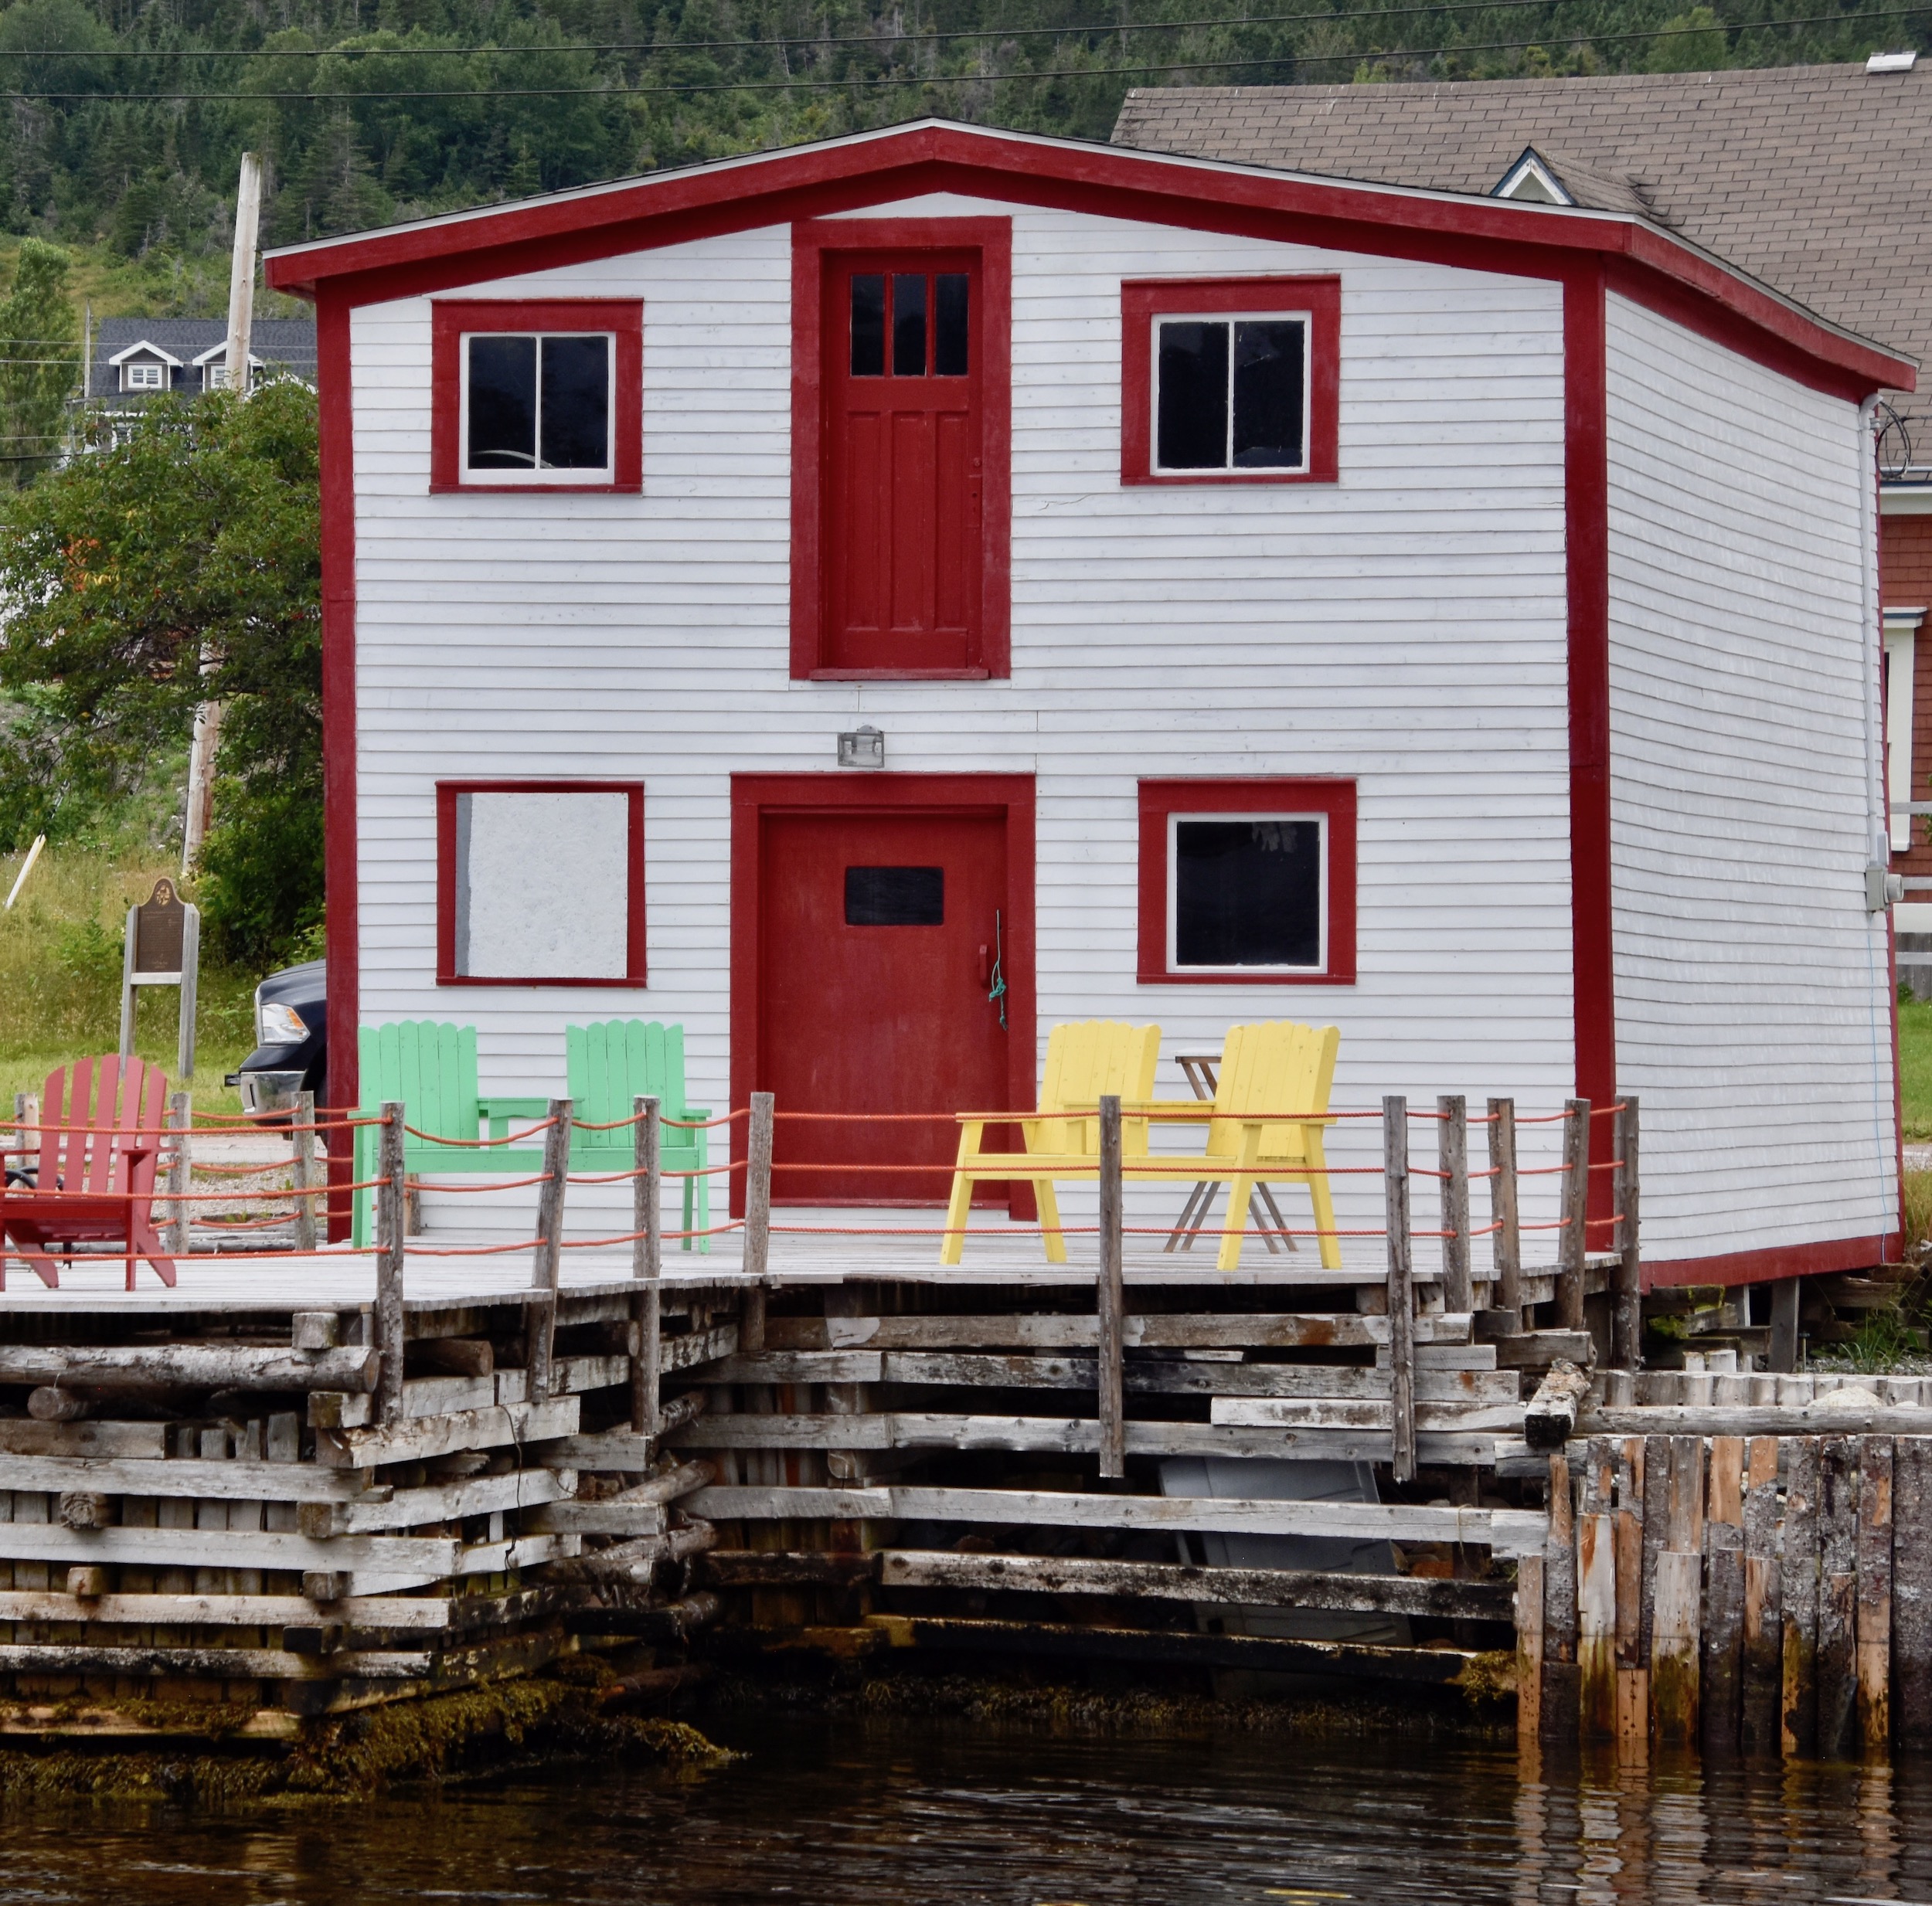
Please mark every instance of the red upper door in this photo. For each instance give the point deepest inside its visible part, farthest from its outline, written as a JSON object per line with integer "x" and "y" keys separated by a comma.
{"x": 905, "y": 452}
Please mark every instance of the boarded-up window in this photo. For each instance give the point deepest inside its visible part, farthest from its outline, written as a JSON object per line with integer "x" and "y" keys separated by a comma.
{"x": 540, "y": 884}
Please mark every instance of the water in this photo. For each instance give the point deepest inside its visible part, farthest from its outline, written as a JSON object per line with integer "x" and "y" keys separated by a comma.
{"x": 858, "y": 1812}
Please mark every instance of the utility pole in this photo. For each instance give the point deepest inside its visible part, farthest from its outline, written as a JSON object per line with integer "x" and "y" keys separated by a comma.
{"x": 241, "y": 317}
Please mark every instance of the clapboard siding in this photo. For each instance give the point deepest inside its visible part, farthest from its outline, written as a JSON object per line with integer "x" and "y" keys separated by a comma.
{"x": 1405, "y": 626}
{"x": 1752, "y": 1010}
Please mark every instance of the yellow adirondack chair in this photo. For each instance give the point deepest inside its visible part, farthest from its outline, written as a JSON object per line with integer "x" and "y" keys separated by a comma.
{"x": 1084, "y": 1059}
{"x": 1268, "y": 1072}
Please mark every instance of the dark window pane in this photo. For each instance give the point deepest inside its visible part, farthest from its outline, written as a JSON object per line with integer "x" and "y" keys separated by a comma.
{"x": 909, "y": 324}
{"x": 1247, "y": 893}
{"x": 895, "y": 896}
{"x": 868, "y": 325}
{"x": 1193, "y": 406}
{"x": 503, "y": 403}
{"x": 1268, "y": 357}
{"x": 576, "y": 404}
{"x": 949, "y": 325}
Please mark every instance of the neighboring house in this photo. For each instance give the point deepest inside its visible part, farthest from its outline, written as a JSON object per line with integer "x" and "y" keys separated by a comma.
{"x": 1267, "y": 595}
{"x": 135, "y": 359}
{"x": 1818, "y": 179}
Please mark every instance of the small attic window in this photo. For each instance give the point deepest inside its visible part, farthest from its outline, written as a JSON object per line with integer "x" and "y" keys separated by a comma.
{"x": 1532, "y": 180}
{"x": 140, "y": 376}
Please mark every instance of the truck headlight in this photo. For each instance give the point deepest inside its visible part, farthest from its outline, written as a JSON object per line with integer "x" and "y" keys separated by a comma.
{"x": 277, "y": 1024}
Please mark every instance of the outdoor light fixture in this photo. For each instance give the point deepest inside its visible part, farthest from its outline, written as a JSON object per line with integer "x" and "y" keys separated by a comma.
{"x": 863, "y": 748}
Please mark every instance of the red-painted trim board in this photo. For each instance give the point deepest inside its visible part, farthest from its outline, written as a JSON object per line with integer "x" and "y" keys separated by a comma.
{"x": 848, "y": 175}
{"x": 1772, "y": 1262}
{"x": 338, "y": 454}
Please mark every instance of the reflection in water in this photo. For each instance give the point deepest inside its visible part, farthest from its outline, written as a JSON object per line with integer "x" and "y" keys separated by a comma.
{"x": 860, "y": 1812}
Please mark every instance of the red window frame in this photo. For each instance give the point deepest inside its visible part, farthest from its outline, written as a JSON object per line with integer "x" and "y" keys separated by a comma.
{"x": 446, "y": 794}
{"x": 450, "y": 318}
{"x": 1335, "y": 800}
{"x": 1142, "y": 301}
{"x": 810, "y": 241}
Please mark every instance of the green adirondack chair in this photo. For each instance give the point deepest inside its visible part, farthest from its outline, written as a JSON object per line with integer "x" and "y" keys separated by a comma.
{"x": 431, "y": 1067}
{"x": 612, "y": 1063}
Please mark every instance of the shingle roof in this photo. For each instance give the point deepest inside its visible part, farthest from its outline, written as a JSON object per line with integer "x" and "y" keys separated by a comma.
{"x": 1817, "y": 179}
{"x": 290, "y": 341}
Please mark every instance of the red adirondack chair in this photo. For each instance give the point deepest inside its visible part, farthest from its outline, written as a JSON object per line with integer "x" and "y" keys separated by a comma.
{"x": 100, "y": 1144}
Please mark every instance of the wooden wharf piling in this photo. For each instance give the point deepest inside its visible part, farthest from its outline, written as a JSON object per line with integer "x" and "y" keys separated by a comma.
{"x": 331, "y": 1480}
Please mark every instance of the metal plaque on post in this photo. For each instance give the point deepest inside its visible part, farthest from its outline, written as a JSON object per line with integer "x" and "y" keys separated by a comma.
{"x": 162, "y": 948}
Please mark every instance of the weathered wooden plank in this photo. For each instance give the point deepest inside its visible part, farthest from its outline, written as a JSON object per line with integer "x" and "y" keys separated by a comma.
{"x": 1399, "y": 1303}
{"x": 1838, "y": 1600}
{"x": 1798, "y": 1584}
{"x": 1762, "y": 1643}
{"x": 1258, "y": 1588}
{"x": 443, "y": 1435}
{"x": 1313, "y": 1413}
{"x": 1912, "y": 1591}
{"x": 263, "y": 1664}
{"x": 385, "y": 1509}
{"x": 1452, "y": 1160}
{"x": 1750, "y": 1419}
{"x": 1627, "y": 1303}
{"x": 1633, "y": 1672}
{"x": 226, "y": 1548}
{"x": 608, "y": 1517}
{"x": 391, "y": 1222}
{"x": 1231, "y": 1331}
{"x": 1530, "y": 1600}
{"x": 1597, "y": 1598}
{"x": 1720, "y": 1687}
{"x": 1874, "y": 1644}
{"x": 1571, "y": 1240}
{"x": 190, "y": 1366}
{"x": 1506, "y": 1244}
{"x": 1110, "y": 1296}
{"x": 1507, "y": 1531}
{"x": 413, "y": 1613}
{"x": 1677, "y": 1619}
{"x": 1562, "y": 1691}
{"x": 141, "y": 1441}
{"x": 234, "y": 1481}
{"x": 1551, "y": 1415}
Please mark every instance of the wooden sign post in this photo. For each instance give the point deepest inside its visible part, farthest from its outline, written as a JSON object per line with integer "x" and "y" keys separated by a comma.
{"x": 162, "y": 948}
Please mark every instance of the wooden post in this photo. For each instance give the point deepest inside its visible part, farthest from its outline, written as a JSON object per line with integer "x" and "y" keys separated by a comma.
{"x": 1113, "y": 1297}
{"x": 1452, "y": 1156}
{"x": 1402, "y": 1353}
{"x": 1911, "y": 1589}
{"x": 1596, "y": 1597}
{"x": 388, "y": 1261}
{"x": 1529, "y": 1649}
{"x": 1632, "y": 1676}
{"x": 547, "y": 1265}
{"x": 180, "y": 1119}
{"x": 304, "y": 1173}
{"x": 1763, "y": 1600}
{"x": 1798, "y": 1582}
{"x": 757, "y": 1259}
{"x": 1561, "y": 1693}
{"x": 1784, "y": 1348}
{"x": 1575, "y": 1210}
{"x": 1506, "y": 1242}
{"x": 1874, "y": 1573}
{"x": 647, "y": 1264}
{"x": 1627, "y": 1305}
{"x": 1677, "y": 1622}
{"x": 1838, "y": 1600}
{"x": 1720, "y": 1684}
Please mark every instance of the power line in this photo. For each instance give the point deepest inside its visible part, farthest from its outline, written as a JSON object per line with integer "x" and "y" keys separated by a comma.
{"x": 714, "y": 46}
{"x": 622, "y": 92}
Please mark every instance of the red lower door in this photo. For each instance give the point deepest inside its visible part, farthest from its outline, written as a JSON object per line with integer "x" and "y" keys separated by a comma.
{"x": 879, "y": 938}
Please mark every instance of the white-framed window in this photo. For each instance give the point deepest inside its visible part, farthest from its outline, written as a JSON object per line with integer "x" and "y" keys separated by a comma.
{"x": 139, "y": 376}
{"x": 1247, "y": 893}
{"x": 1901, "y": 657}
{"x": 1231, "y": 391}
{"x": 537, "y": 407}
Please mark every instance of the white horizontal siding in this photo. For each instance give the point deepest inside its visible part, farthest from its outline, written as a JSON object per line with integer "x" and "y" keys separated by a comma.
{"x": 1405, "y": 626}
{"x": 1752, "y": 1013}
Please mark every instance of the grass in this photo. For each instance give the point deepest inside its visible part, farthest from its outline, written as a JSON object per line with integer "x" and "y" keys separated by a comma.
{"x": 60, "y": 977}
{"x": 1915, "y": 1066}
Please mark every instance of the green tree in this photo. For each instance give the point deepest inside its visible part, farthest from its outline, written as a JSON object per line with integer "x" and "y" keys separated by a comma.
{"x": 1692, "y": 43}
{"x": 179, "y": 565}
{"x": 40, "y": 362}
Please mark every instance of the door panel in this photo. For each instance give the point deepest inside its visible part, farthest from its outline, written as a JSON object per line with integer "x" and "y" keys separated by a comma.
{"x": 905, "y": 448}
{"x": 877, "y": 933}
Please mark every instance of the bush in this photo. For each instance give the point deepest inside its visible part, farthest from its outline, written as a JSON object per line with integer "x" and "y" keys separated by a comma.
{"x": 260, "y": 884}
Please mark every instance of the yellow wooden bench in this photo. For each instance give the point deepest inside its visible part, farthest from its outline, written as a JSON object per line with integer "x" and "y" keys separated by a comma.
{"x": 1265, "y": 1126}
{"x": 1084, "y": 1060}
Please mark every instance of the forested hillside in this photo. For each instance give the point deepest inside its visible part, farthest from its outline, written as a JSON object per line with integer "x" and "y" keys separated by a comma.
{"x": 125, "y": 117}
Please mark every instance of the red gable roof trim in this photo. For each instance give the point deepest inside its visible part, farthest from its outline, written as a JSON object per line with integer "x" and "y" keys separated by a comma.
{"x": 849, "y": 173}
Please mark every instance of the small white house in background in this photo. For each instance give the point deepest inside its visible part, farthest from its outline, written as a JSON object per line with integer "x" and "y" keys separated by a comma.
{"x": 794, "y": 596}
{"x": 143, "y": 368}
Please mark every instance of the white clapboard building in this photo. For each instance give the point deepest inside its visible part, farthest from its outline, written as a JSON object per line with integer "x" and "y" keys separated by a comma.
{"x": 792, "y": 595}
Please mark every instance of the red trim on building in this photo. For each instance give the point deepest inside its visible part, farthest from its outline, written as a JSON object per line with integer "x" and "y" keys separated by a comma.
{"x": 1773, "y": 1263}
{"x": 446, "y": 794}
{"x": 450, "y": 318}
{"x": 845, "y": 175}
{"x": 1143, "y": 301}
{"x": 1247, "y": 795}
{"x": 337, "y": 429}
{"x": 992, "y": 238}
{"x": 754, "y": 796}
